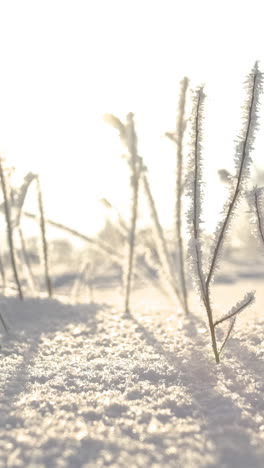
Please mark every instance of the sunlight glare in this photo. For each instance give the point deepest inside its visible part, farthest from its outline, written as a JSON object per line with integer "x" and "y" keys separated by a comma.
{"x": 66, "y": 64}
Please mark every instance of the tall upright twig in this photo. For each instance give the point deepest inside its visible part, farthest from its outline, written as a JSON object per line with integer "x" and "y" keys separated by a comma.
{"x": 135, "y": 164}
{"x": 243, "y": 150}
{"x": 180, "y": 128}
{"x": 195, "y": 192}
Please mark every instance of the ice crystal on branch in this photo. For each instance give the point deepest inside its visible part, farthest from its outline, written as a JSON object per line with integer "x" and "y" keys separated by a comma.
{"x": 194, "y": 182}
{"x": 247, "y": 300}
{"x": 231, "y": 316}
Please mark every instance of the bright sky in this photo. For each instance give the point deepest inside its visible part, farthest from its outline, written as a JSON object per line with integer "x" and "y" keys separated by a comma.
{"x": 66, "y": 63}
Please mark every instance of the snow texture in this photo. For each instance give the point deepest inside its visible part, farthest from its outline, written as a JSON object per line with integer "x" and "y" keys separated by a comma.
{"x": 85, "y": 386}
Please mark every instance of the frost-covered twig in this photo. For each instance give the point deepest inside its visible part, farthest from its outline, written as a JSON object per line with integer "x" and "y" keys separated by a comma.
{"x": 44, "y": 242}
{"x": 194, "y": 216}
{"x": 135, "y": 164}
{"x": 138, "y": 170}
{"x": 19, "y": 197}
{"x": 195, "y": 190}
{"x": 247, "y": 300}
{"x": 228, "y": 334}
{"x": 243, "y": 160}
{"x": 115, "y": 122}
{"x": 180, "y": 127}
{"x": 128, "y": 136}
{"x": 17, "y": 200}
{"x": 177, "y": 138}
{"x": 10, "y": 230}
{"x": 244, "y": 147}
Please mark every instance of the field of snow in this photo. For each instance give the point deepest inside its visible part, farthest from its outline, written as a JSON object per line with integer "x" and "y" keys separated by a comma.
{"x": 86, "y": 386}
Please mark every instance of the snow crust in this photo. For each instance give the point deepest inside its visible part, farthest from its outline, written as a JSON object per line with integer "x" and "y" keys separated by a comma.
{"x": 87, "y": 386}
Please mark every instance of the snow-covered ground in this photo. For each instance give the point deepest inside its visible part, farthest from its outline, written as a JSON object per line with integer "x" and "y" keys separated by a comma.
{"x": 85, "y": 386}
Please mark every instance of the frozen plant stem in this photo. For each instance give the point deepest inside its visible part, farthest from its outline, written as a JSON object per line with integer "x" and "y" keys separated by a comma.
{"x": 180, "y": 128}
{"x": 243, "y": 151}
{"x": 196, "y": 195}
{"x": 44, "y": 243}
{"x": 135, "y": 164}
{"x": 10, "y": 231}
{"x": 128, "y": 137}
{"x": 254, "y": 85}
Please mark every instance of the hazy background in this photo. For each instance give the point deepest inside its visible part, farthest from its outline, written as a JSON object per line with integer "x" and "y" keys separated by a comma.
{"x": 66, "y": 63}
